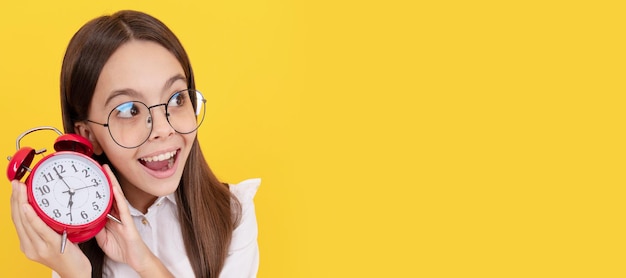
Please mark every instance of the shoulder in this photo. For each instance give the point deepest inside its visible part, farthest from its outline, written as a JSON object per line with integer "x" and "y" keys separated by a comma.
{"x": 245, "y": 190}
{"x": 245, "y": 234}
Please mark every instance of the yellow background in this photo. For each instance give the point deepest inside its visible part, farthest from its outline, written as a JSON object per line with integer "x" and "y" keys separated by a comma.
{"x": 394, "y": 138}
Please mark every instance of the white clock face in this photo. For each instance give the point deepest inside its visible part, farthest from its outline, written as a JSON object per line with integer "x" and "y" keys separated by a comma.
{"x": 71, "y": 189}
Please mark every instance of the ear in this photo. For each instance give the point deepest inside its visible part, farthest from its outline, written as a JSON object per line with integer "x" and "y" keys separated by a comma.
{"x": 82, "y": 129}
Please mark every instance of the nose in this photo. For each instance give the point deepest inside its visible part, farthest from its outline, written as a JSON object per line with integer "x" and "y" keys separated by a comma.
{"x": 160, "y": 125}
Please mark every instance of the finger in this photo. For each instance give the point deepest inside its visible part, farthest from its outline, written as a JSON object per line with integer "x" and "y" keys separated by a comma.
{"x": 111, "y": 231}
{"x": 22, "y": 205}
{"x": 15, "y": 205}
{"x": 41, "y": 235}
{"x": 102, "y": 234}
{"x": 15, "y": 200}
{"x": 16, "y": 216}
{"x": 45, "y": 244}
{"x": 121, "y": 205}
{"x": 38, "y": 248}
{"x": 38, "y": 233}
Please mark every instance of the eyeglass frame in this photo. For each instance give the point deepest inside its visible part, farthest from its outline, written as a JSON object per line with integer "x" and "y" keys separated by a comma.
{"x": 167, "y": 116}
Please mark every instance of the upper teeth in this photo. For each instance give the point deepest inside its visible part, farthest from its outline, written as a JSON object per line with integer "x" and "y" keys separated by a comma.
{"x": 160, "y": 157}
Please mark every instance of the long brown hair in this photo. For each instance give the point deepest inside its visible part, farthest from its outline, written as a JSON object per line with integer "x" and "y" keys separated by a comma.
{"x": 205, "y": 205}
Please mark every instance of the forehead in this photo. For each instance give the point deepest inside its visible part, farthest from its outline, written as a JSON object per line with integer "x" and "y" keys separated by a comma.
{"x": 143, "y": 67}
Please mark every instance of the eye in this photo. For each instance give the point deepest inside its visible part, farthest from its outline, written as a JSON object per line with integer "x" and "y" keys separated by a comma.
{"x": 127, "y": 110}
{"x": 178, "y": 99}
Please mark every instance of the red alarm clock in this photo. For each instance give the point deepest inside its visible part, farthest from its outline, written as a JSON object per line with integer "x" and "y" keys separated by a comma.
{"x": 68, "y": 190}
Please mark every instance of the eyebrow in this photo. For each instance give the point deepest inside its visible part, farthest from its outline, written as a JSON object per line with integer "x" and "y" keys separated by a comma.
{"x": 133, "y": 93}
{"x": 122, "y": 92}
{"x": 172, "y": 80}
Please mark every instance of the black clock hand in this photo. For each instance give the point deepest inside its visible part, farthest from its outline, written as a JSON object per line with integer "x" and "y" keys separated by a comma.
{"x": 83, "y": 187}
{"x": 61, "y": 178}
{"x": 70, "y": 203}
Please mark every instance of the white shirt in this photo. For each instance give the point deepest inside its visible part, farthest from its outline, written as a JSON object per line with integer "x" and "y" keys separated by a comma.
{"x": 160, "y": 230}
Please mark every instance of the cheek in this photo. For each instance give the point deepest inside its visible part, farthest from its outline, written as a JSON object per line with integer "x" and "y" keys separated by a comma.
{"x": 124, "y": 164}
{"x": 190, "y": 138}
{"x": 119, "y": 157}
{"x": 189, "y": 141}
{"x": 184, "y": 155}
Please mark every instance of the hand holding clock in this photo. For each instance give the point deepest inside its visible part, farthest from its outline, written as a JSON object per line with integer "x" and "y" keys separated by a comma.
{"x": 42, "y": 244}
{"x": 123, "y": 243}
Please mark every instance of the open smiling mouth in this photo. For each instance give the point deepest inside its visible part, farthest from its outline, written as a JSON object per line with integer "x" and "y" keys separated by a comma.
{"x": 162, "y": 162}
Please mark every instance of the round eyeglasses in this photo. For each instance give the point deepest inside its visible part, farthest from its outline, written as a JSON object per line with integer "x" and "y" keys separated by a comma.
{"x": 130, "y": 123}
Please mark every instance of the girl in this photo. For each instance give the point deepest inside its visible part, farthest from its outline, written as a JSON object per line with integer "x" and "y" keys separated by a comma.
{"x": 127, "y": 85}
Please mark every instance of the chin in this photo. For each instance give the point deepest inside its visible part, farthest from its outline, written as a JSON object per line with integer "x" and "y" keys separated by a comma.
{"x": 162, "y": 187}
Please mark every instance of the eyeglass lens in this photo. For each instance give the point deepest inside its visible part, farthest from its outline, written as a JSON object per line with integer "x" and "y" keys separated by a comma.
{"x": 130, "y": 123}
